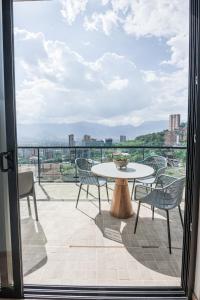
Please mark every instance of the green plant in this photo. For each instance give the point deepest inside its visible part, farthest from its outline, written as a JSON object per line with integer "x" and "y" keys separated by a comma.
{"x": 120, "y": 156}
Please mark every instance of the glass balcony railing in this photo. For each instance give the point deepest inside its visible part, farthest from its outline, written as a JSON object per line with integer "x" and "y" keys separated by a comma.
{"x": 57, "y": 164}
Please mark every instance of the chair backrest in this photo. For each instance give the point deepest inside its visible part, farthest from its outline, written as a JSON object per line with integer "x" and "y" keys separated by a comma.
{"x": 25, "y": 183}
{"x": 83, "y": 164}
{"x": 171, "y": 192}
{"x": 84, "y": 172}
{"x": 159, "y": 172}
{"x": 176, "y": 191}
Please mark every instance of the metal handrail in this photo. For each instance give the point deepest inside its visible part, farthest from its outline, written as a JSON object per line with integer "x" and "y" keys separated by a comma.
{"x": 103, "y": 147}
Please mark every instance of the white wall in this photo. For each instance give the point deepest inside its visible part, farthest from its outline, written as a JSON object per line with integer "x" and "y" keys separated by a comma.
{"x": 197, "y": 278}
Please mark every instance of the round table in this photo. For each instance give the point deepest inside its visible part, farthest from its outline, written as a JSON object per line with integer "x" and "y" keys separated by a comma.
{"x": 121, "y": 202}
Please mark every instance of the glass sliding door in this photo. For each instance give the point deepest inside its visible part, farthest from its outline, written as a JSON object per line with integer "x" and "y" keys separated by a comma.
{"x": 77, "y": 83}
{"x": 6, "y": 278}
{"x": 10, "y": 266}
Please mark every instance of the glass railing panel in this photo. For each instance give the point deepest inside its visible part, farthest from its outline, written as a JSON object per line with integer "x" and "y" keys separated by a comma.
{"x": 135, "y": 154}
{"x": 67, "y": 164}
{"x": 176, "y": 159}
{"x": 28, "y": 160}
{"x": 177, "y": 162}
{"x": 58, "y": 164}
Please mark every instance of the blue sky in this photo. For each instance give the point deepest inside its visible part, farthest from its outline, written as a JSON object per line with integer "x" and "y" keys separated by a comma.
{"x": 113, "y": 62}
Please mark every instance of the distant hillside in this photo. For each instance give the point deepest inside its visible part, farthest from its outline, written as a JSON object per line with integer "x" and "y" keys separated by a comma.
{"x": 52, "y": 133}
{"x": 151, "y": 139}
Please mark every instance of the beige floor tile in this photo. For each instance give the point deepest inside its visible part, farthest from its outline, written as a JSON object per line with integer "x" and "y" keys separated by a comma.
{"x": 81, "y": 247}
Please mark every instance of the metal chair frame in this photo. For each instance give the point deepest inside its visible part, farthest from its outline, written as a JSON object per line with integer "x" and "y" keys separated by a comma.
{"x": 86, "y": 177}
{"x": 27, "y": 189}
{"x": 158, "y": 163}
{"x": 166, "y": 195}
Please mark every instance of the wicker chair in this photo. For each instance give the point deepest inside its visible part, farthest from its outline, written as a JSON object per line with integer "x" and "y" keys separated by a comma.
{"x": 86, "y": 177}
{"x": 158, "y": 163}
{"x": 26, "y": 189}
{"x": 166, "y": 195}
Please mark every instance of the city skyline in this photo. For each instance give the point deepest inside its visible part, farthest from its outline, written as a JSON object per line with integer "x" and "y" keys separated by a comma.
{"x": 175, "y": 130}
{"x": 98, "y": 61}
{"x": 174, "y": 134}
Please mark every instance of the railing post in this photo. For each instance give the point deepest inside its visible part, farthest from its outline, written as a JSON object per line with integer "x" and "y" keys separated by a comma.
{"x": 75, "y": 165}
{"x": 143, "y": 153}
{"x": 38, "y": 152}
{"x": 101, "y": 155}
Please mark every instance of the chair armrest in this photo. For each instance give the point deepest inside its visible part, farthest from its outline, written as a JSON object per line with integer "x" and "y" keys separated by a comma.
{"x": 169, "y": 183}
{"x": 145, "y": 190}
{"x": 93, "y": 162}
{"x": 163, "y": 181}
{"x": 169, "y": 195}
{"x": 86, "y": 173}
{"x": 141, "y": 191}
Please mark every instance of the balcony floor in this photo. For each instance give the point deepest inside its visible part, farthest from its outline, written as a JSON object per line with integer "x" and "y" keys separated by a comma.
{"x": 80, "y": 247}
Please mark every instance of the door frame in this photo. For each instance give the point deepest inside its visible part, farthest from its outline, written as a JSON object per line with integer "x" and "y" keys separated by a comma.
{"x": 11, "y": 136}
{"x": 193, "y": 155}
{"x": 192, "y": 172}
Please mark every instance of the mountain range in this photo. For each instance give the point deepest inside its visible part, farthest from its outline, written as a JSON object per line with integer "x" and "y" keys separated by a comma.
{"x": 45, "y": 133}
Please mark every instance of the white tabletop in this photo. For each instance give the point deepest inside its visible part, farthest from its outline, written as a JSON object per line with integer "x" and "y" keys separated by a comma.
{"x": 133, "y": 171}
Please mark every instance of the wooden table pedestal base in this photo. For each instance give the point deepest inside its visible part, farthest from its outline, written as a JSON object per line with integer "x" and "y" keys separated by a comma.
{"x": 121, "y": 203}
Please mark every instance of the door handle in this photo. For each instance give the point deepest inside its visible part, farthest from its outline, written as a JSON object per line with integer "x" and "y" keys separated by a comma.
{"x": 6, "y": 161}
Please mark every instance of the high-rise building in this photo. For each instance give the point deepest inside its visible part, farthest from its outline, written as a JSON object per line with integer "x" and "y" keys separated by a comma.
{"x": 48, "y": 153}
{"x": 108, "y": 142}
{"x": 71, "y": 140}
{"x": 174, "y": 122}
{"x": 122, "y": 138}
{"x": 86, "y": 138}
{"x": 171, "y": 138}
{"x": 89, "y": 141}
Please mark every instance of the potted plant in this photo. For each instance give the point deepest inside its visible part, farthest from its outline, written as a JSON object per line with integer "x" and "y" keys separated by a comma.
{"x": 120, "y": 159}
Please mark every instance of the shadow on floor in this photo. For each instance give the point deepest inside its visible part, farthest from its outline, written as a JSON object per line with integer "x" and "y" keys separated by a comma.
{"x": 45, "y": 192}
{"x": 33, "y": 245}
{"x": 149, "y": 247}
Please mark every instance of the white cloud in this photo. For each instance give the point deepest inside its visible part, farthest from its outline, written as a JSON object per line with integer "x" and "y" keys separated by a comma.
{"x": 105, "y": 2}
{"x": 131, "y": 118}
{"x": 105, "y": 21}
{"x": 160, "y": 18}
{"x": 72, "y": 8}
{"x": 143, "y": 18}
{"x": 121, "y": 5}
{"x": 117, "y": 84}
{"x": 179, "y": 51}
{"x": 64, "y": 87}
{"x": 56, "y": 84}
{"x": 157, "y": 18}
{"x": 170, "y": 91}
{"x": 24, "y": 35}
{"x": 167, "y": 19}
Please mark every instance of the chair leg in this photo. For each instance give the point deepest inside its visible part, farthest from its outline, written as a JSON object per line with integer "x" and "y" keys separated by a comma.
{"x": 78, "y": 194}
{"x": 168, "y": 231}
{"x": 35, "y": 206}
{"x": 29, "y": 206}
{"x": 152, "y": 207}
{"x": 87, "y": 190}
{"x": 137, "y": 216}
{"x": 133, "y": 187}
{"x": 107, "y": 191}
{"x": 180, "y": 213}
{"x": 99, "y": 199}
